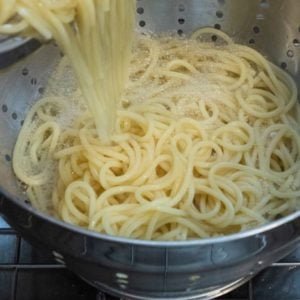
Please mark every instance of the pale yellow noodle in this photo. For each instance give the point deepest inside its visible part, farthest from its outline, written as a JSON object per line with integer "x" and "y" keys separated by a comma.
{"x": 207, "y": 142}
{"x": 99, "y": 55}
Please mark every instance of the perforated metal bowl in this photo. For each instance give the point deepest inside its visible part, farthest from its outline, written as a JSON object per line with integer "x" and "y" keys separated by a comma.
{"x": 138, "y": 269}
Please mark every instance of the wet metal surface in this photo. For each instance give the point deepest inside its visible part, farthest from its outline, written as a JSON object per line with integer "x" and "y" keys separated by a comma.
{"x": 26, "y": 273}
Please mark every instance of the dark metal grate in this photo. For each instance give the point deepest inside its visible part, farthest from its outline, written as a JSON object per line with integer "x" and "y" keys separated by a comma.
{"x": 29, "y": 274}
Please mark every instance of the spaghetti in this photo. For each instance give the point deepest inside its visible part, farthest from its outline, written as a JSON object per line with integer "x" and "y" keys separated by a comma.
{"x": 206, "y": 144}
{"x": 96, "y": 35}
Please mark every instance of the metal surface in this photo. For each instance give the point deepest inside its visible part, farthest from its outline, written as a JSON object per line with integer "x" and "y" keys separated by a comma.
{"x": 137, "y": 269}
{"x": 14, "y": 49}
{"x": 26, "y": 273}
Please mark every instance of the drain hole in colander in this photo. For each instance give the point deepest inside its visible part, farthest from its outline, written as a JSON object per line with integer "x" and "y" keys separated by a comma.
{"x": 41, "y": 90}
{"x": 219, "y": 14}
{"x": 256, "y": 29}
{"x": 264, "y": 4}
{"x": 140, "y": 10}
{"x": 33, "y": 81}
{"x": 180, "y": 32}
{"x": 25, "y": 71}
{"x": 4, "y": 108}
{"x": 14, "y": 116}
{"x": 290, "y": 53}
{"x": 252, "y": 41}
{"x": 283, "y": 65}
{"x": 217, "y": 26}
{"x": 181, "y": 7}
{"x": 7, "y": 157}
{"x": 22, "y": 122}
{"x": 260, "y": 17}
{"x": 142, "y": 23}
{"x": 296, "y": 42}
{"x": 214, "y": 38}
{"x": 181, "y": 21}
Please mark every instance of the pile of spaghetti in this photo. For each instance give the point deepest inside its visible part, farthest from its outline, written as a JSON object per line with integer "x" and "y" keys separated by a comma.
{"x": 206, "y": 142}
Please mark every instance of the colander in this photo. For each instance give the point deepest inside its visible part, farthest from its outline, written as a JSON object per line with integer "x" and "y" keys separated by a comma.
{"x": 200, "y": 269}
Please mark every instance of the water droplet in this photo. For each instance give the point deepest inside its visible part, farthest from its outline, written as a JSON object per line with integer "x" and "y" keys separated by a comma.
{"x": 25, "y": 72}
{"x": 221, "y": 253}
{"x": 296, "y": 42}
{"x": 181, "y": 7}
{"x": 122, "y": 286}
{"x": 264, "y": 4}
{"x": 290, "y": 53}
{"x": 194, "y": 277}
{"x": 121, "y": 275}
{"x": 260, "y": 17}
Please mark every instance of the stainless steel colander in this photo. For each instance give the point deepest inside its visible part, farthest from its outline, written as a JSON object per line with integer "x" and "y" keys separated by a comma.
{"x": 138, "y": 269}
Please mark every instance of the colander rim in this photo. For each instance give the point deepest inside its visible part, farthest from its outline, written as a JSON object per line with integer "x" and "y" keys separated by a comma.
{"x": 166, "y": 244}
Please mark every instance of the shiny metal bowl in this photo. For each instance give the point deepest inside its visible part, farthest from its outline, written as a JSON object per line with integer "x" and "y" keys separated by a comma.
{"x": 199, "y": 269}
